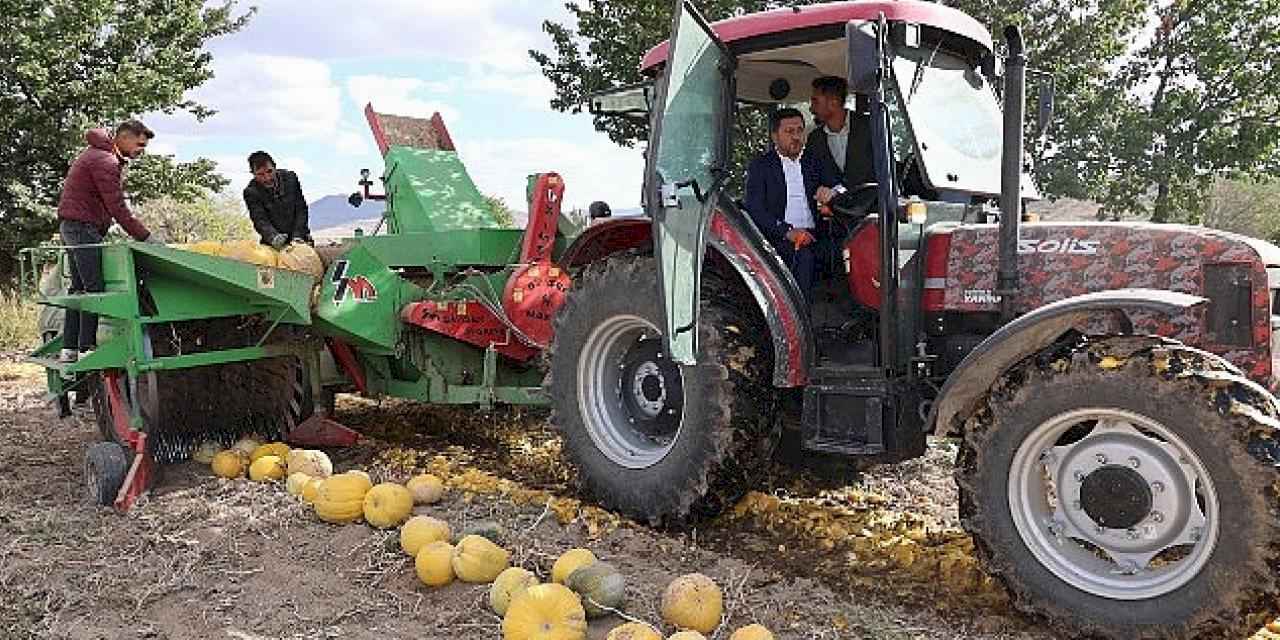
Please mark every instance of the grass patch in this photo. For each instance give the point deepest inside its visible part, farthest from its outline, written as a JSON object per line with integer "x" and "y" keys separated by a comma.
{"x": 18, "y": 317}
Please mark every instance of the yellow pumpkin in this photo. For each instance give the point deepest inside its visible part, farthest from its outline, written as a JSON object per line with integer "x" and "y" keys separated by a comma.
{"x": 477, "y": 559}
{"x": 311, "y": 490}
{"x": 545, "y": 612}
{"x": 266, "y": 469}
{"x": 387, "y": 505}
{"x": 507, "y": 586}
{"x": 206, "y": 451}
{"x": 570, "y": 561}
{"x": 301, "y": 257}
{"x": 752, "y": 632}
{"x": 228, "y": 464}
{"x": 247, "y": 445}
{"x": 633, "y": 631}
{"x": 251, "y": 252}
{"x": 208, "y": 248}
{"x": 426, "y": 489}
{"x": 694, "y": 602}
{"x": 277, "y": 449}
{"x": 434, "y": 563}
{"x": 313, "y": 463}
{"x": 686, "y": 635}
{"x": 295, "y": 483}
{"x": 420, "y": 531}
{"x": 340, "y": 498}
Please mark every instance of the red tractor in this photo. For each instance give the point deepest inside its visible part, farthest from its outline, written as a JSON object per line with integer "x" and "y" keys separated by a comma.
{"x": 1110, "y": 383}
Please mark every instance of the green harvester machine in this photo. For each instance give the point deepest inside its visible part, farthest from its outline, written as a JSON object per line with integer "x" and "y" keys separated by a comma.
{"x": 441, "y": 303}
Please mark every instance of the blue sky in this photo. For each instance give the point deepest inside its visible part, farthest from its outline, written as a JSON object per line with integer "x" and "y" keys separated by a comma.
{"x": 294, "y": 82}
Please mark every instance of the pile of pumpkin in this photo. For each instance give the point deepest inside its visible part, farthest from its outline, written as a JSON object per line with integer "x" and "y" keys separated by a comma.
{"x": 581, "y": 586}
{"x": 295, "y": 257}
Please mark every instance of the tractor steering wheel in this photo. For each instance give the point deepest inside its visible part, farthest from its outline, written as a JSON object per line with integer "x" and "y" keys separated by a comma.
{"x": 855, "y": 203}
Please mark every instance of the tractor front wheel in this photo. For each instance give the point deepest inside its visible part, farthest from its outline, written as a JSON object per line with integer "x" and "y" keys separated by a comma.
{"x": 651, "y": 438}
{"x": 1118, "y": 499}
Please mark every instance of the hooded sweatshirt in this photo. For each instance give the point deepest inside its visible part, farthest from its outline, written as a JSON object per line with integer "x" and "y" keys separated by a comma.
{"x": 93, "y": 192}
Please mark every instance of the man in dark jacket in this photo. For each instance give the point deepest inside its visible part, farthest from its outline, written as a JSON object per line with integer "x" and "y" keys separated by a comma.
{"x": 275, "y": 202}
{"x": 841, "y": 142}
{"x": 783, "y": 185}
{"x": 93, "y": 196}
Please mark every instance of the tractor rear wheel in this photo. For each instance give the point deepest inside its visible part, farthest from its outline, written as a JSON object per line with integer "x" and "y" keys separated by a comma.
{"x": 1120, "y": 500}
{"x": 653, "y": 439}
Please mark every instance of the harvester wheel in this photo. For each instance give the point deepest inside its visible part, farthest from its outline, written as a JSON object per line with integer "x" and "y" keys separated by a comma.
{"x": 105, "y": 465}
{"x": 1118, "y": 496}
{"x": 650, "y": 438}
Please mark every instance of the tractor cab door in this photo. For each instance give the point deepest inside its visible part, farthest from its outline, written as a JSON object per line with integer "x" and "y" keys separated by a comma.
{"x": 686, "y": 165}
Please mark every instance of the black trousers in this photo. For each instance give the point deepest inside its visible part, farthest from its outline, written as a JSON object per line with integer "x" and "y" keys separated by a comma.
{"x": 80, "y": 329}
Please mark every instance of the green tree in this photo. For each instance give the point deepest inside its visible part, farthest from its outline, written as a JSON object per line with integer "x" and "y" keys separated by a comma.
{"x": 206, "y": 217}
{"x": 501, "y": 211}
{"x": 160, "y": 176}
{"x": 68, "y": 65}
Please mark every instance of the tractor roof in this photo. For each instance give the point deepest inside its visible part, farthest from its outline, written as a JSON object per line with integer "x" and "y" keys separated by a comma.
{"x": 789, "y": 27}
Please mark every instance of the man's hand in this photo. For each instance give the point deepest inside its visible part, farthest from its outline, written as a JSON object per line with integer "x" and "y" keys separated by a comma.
{"x": 800, "y": 238}
{"x": 824, "y": 195}
{"x": 278, "y": 241}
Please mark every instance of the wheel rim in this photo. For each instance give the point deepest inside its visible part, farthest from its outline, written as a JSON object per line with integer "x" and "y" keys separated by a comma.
{"x": 631, "y": 395}
{"x": 1114, "y": 503}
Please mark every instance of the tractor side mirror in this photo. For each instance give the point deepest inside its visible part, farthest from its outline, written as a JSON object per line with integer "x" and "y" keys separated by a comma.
{"x": 355, "y": 200}
{"x": 864, "y": 57}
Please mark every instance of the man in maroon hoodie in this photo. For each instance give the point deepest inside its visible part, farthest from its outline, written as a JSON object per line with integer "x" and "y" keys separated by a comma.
{"x": 93, "y": 196}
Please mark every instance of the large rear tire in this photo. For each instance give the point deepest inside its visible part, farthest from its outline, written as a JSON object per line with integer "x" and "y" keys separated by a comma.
{"x": 654, "y": 440}
{"x": 1119, "y": 499}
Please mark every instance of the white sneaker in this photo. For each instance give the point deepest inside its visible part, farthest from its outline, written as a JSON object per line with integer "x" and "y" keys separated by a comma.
{"x": 68, "y": 355}
{"x": 86, "y": 354}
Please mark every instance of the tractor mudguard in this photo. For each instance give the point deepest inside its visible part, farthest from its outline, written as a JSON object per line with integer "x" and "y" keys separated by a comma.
{"x": 1030, "y": 333}
{"x": 735, "y": 238}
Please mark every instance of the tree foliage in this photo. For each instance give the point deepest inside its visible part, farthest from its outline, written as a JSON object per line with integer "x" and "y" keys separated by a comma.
{"x": 69, "y": 65}
{"x": 205, "y": 217}
{"x": 1156, "y": 98}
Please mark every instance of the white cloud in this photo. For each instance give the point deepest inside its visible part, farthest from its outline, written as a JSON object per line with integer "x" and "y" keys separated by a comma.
{"x": 401, "y": 96}
{"x": 528, "y": 85}
{"x": 263, "y": 96}
{"x": 596, "y": 170}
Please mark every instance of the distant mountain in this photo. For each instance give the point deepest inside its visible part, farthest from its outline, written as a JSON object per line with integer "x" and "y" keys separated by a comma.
{"x": 334, "y": 211}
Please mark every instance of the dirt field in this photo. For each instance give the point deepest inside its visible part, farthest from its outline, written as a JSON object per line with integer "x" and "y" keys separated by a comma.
{"x": 209, "y": 558}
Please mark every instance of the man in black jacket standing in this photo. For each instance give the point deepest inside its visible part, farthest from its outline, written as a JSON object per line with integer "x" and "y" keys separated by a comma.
{"x": 276, "y": 205}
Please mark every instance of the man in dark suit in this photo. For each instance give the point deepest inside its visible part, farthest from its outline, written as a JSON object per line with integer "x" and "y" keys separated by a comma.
{"x": 782, "y": 184}
{"x": 275, "y": 202}
{"x": 841, "y": 142}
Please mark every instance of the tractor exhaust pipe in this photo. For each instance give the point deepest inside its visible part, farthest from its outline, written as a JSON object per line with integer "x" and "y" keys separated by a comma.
{"x": 1015, "y": 102}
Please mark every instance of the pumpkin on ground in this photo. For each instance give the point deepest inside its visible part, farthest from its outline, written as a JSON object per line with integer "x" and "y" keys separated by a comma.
{"x": 228, "y": 464}
{"x": 247, "y": 445}
{"x": 311, "y": 490}
{"x": 570, "y": 561}
{"x": 545, "y": 612}
{"x": 426, "y": 489}
{"x": 434, "y": 564}
{"x": 277, "y": 449}
{"x": 387, "y": 505}
{"x": 633, "y": 631}
{"x": 485, "y": 528}
{"x": 693, "y": 601}
{"x": 686, "y": 635}
{"x": 477, "y": 559}
{"x": 267, "y": 469}
{"x": 420, "y": 531}
{"x": 340, "y": 498}
{"x": 206, "y": 451}
{"x": 752, "y": 632}
{"x": 311, "y": 462}
{"x": 600, "y": 586}
{"x": 295, "y": 483}
{"x": 507, "y": 586}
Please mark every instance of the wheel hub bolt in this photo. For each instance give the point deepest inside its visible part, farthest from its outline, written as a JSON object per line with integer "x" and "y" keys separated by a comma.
{"x": 1132, "y": 534}
{"x": 1134, "y": 462}
{"x": 1157, "y": 517}
{"x": 1157, "y": 487}
{"x": 1078, "y": 475}
{"x": 1099, "y": 529}
{"x": 1100, "y": 458}
{"x": 1196, "y": 534}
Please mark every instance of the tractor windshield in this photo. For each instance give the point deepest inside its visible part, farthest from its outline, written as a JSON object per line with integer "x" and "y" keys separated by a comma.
{"x": 954, "y": 118}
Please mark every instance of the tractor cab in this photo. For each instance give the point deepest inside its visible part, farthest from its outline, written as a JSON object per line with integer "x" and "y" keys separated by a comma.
{"x": 921, "y": 74}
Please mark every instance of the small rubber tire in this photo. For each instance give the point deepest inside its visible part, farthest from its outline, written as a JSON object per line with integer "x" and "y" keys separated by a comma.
{"x": 105, "y": 466}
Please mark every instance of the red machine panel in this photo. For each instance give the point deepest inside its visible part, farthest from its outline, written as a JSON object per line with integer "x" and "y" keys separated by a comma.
{"x": 533, "y": 295}
{"x": 470, "y": 322}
